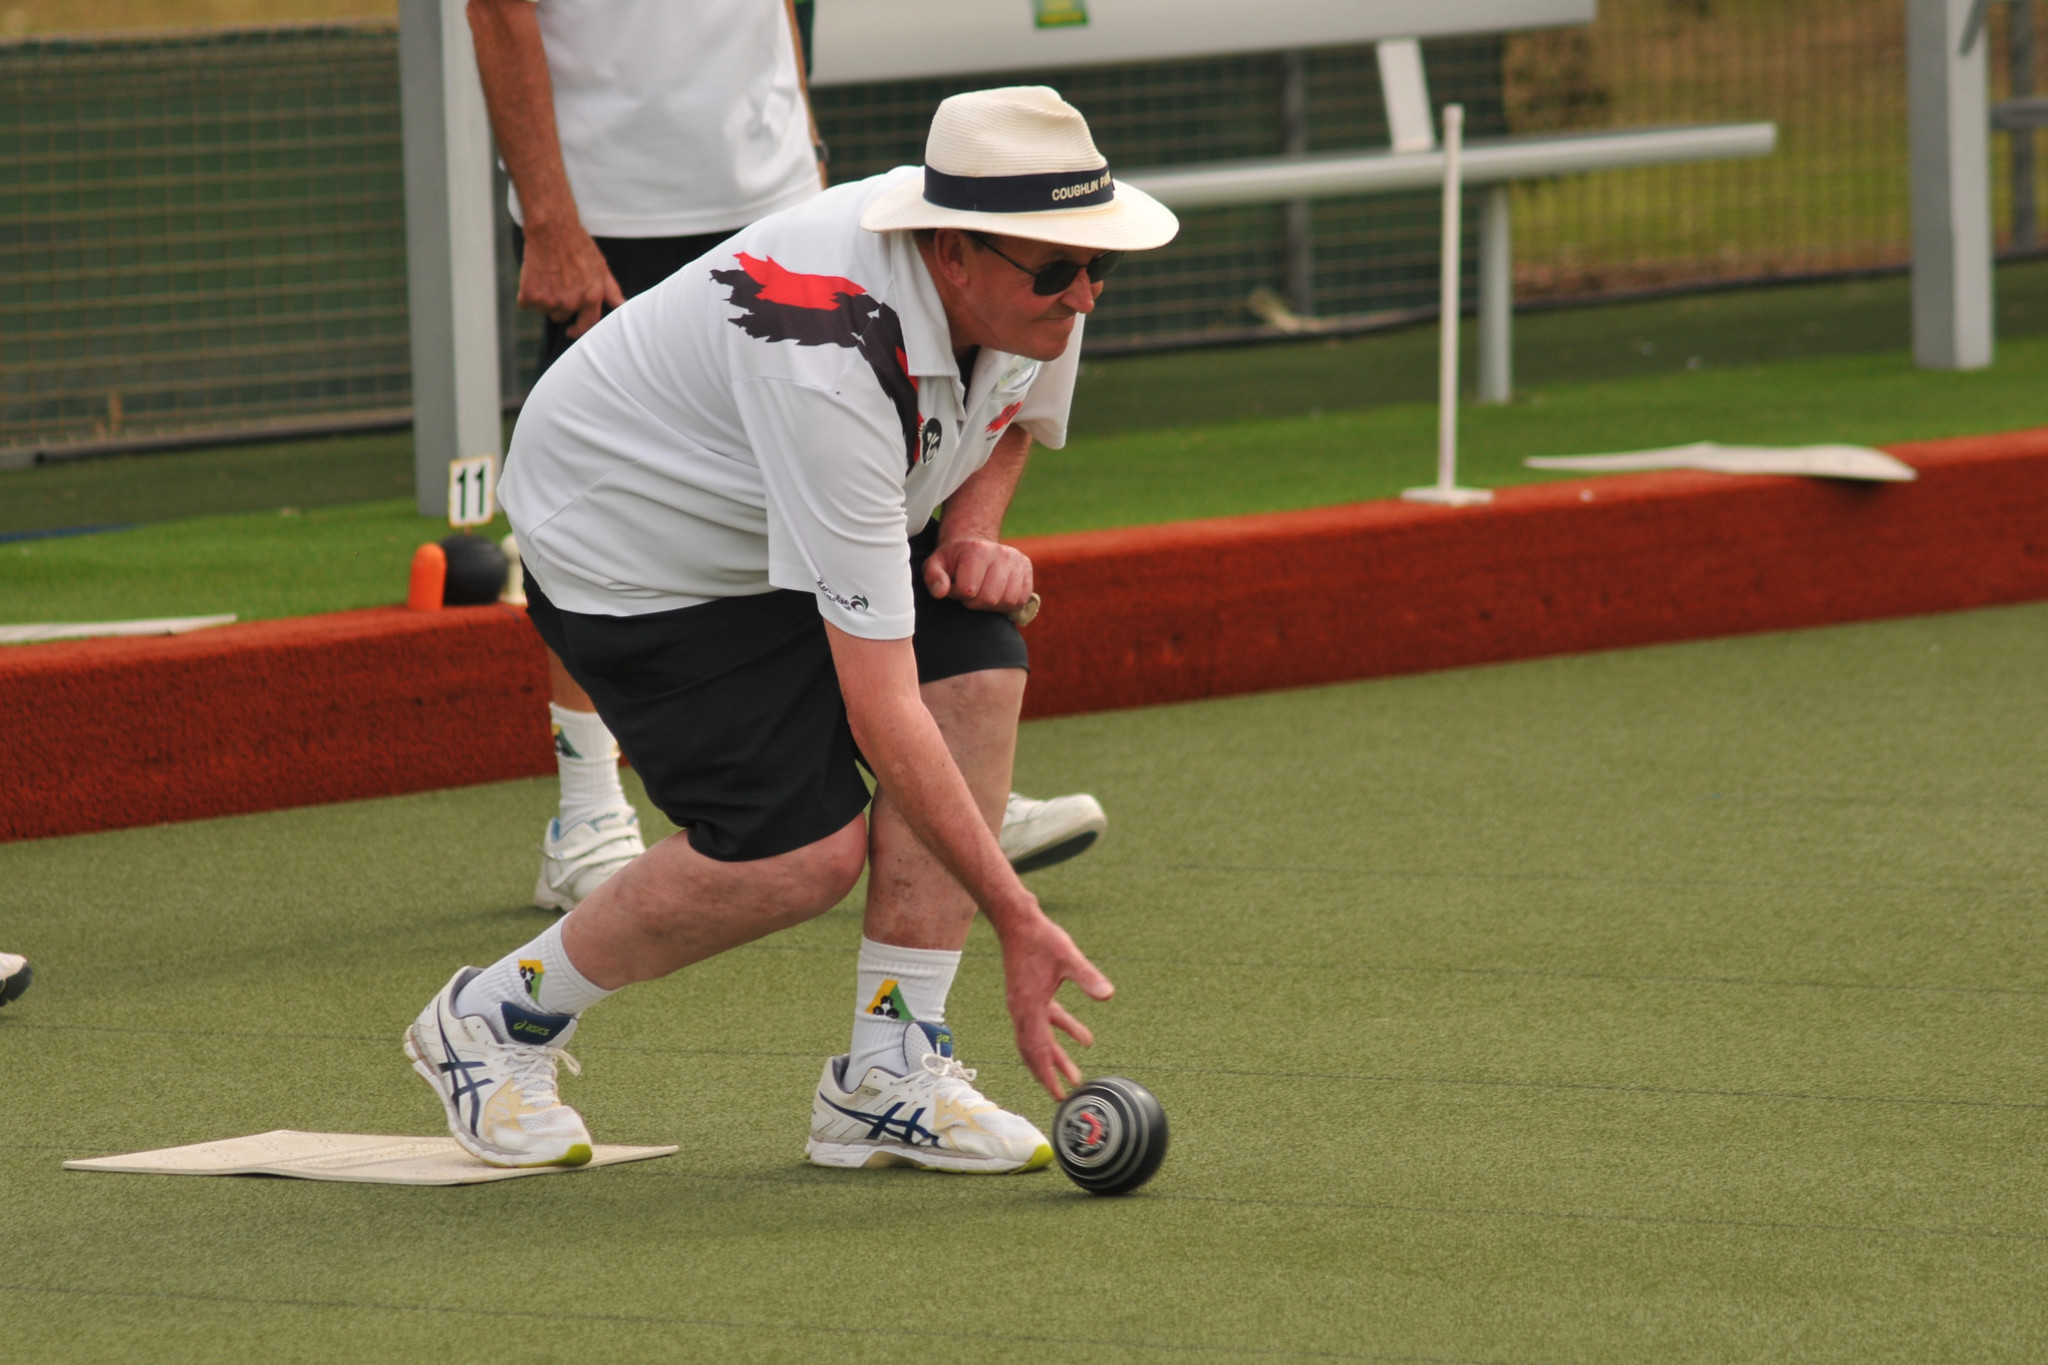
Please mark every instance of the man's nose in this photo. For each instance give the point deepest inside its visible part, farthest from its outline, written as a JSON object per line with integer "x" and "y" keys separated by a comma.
{"x": 1082, "y": 293}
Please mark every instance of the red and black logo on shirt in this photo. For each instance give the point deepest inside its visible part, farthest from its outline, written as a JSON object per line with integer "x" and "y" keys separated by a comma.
{"x": 826, "y": 310}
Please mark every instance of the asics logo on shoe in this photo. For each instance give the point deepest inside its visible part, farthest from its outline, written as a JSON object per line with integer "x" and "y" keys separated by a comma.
{"x": 532, "y": 1029}
{"x": 530, "y": 972}
{"x": 464, "y": 1084}
{"x": 890, "y": 1004}
{"x": 887, "y": 1125}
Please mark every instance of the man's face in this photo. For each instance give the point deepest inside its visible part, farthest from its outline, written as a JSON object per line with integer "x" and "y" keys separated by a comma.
{"x": 996, "y": 299}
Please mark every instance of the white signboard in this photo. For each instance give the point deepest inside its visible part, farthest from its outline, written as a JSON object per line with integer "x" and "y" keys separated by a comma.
{"x": 881, "y": 40}
{"x": 472, "y": 490}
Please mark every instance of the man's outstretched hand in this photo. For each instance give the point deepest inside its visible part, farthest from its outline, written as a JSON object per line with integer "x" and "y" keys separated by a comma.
{"x": 1037, "y": 957}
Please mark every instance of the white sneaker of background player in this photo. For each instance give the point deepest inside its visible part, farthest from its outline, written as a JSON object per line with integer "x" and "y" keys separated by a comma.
{"x": 576, "y": 861}
{"x": 930, "y": 1116}
{"x": 500, "y": 1096}
{"x": 1040, "y": 833}
{"x": 15, "y": 974}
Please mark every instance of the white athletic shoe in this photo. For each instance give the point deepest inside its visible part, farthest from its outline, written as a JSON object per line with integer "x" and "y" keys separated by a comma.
{"x": 576, "y": 861}
{"x": 1040, "y": 833}
{"x": 15, "y": 974}
{"x": 931, "y": 1116}
{"x": 501, "y": 1099}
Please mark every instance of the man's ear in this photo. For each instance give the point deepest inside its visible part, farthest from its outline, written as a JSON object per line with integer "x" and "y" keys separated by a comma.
{"x": 949, "y": 253}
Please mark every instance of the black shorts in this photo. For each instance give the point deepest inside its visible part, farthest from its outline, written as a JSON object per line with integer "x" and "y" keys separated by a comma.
{"x": 637, "y": 263}
{"x": 730, "y": 711}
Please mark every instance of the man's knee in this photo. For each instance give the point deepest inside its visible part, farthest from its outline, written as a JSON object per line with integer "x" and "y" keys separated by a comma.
{"x": 829, "y": 869}
{"x": 987, "y": 695}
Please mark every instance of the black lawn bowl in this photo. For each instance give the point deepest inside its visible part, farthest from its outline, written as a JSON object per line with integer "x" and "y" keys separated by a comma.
{"x": 476, "y": 571}
{"x": 1110, "y": 1135}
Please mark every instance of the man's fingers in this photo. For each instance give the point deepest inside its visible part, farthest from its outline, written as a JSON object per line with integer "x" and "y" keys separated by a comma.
{"x": 1069, "y": 1025}
{"x": 936, "y": 580}
{"x": 1093, "y": 983}
{"x": 969, "y": 575}
{"x": 1041, "y": 1064}
{"x": 586, "y": 317}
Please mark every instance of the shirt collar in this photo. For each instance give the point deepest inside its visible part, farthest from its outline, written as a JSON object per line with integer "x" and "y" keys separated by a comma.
{"x": 927, "y": 340}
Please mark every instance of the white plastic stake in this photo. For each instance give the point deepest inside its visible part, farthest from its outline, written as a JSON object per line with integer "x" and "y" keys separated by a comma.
{"x": 1445, "y": 490}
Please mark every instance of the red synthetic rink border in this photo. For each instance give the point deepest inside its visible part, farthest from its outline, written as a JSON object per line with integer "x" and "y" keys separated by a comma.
{"x": 102, "y": 734}
{"x": 1243, "y": 604}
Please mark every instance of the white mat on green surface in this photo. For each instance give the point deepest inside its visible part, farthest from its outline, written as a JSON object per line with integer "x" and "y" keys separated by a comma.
{"x": 364, "y": 1157}
{"x": 1822, "y": 461}
{"x": 86, "y": 630}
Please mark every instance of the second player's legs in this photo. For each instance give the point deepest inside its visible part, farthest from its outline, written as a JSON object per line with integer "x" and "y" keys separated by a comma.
{"x": 564, "y": 691}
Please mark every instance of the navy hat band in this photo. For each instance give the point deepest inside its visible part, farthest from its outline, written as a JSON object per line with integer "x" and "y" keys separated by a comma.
{"x": 1019, "y": 193}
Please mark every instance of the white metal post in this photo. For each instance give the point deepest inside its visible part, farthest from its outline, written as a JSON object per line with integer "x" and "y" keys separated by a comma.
{"x": 1496, "y": 295}
{"x": 1950, "y": 137}
{"x": 451, "y": 289}
{"x": 1445, "y": 490}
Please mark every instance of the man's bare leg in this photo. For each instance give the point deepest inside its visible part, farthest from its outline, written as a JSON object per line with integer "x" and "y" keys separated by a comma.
{"x": 913, "y": 902}
{"x": 673, "y": 906}
{"x": 489, "y": 1041}
{"x": 899, "y": 1096}
{"x": 918, "y": 915}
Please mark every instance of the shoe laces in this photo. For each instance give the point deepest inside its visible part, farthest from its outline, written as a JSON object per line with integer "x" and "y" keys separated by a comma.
{"x": 950, "y": 1078}
{"x": 531, "y": 1070}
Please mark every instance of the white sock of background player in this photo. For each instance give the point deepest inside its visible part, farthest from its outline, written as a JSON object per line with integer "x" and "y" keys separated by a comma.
{"x": 895, "y": 988}
{"x": 587, "y": 757}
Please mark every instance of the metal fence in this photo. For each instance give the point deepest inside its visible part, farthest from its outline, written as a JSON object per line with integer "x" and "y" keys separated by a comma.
{"x": 198, "y": 233}
{"x": 203, "y": 233}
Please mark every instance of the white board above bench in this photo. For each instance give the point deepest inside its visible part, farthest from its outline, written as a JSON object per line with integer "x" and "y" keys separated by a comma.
{"x": 857, "y": 41}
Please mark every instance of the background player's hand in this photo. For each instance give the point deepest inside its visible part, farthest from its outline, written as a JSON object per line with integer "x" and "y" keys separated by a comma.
{"x": 565, "y": 276}
{"x": 1037, "y": 957}
{"x": 983, "y": 574}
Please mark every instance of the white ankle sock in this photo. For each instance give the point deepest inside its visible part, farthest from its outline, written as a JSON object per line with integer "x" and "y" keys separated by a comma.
{"x": 537, "y": 977}
{"x": 896, "y": 987}
{"x": 588, "y": 759}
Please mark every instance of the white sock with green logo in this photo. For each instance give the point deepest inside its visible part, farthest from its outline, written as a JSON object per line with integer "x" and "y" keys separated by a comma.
{"x": 895, "y": 987}
{"x": 537, "y": 977}
{"x": 587, "y": 757}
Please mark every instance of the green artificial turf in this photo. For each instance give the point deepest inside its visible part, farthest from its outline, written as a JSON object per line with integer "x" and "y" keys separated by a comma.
{"x": 1680, "y": 1004}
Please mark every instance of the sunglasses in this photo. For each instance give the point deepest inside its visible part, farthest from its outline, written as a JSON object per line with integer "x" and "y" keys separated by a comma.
{"x": 1048, "y": 280}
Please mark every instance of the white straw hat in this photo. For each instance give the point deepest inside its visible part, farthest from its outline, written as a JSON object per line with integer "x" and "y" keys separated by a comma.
{"x": 1019, "y": 161}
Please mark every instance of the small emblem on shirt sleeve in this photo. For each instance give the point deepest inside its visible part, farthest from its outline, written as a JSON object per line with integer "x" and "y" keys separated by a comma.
{"x": 857, "y": 602}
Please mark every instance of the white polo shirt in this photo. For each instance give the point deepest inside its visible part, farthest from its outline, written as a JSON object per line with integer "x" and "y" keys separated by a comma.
{"x": 782, "y": 413}
{"x": 676, "y": 117}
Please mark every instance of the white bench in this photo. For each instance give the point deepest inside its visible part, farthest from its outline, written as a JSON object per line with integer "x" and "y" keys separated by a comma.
{"x": 862, "y": 41}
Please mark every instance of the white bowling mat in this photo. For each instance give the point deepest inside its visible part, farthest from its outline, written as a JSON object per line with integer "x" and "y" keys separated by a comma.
{"x": 362, "y": 1157}
{"x": 85, "y": 630}
{"x": 1824, "y": 461}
